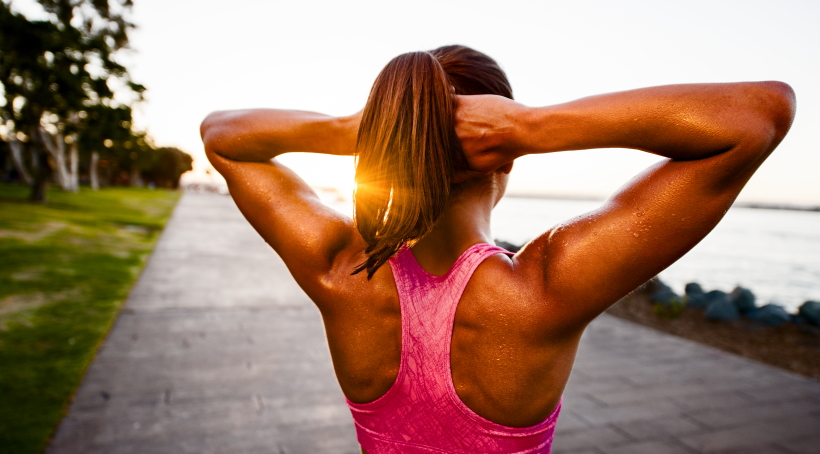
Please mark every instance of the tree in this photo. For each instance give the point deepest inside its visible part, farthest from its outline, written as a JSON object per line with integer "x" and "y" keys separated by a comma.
{"x": 170, "y": 163}
{"x": 124, "y": 155}
{"x": 105, "y": 136}
{"x": 52, "y": 71}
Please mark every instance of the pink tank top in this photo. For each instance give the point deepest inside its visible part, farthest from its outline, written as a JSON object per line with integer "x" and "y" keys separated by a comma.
{"x": 421, "y": 412}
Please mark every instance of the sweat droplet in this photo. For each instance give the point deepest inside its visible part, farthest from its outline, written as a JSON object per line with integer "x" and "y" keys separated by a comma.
{"x": 637, "y": 234}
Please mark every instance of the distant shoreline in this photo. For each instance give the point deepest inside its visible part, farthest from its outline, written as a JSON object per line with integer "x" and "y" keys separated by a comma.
{"x": 776, "y": 206}
{"x": 593, "y": 198}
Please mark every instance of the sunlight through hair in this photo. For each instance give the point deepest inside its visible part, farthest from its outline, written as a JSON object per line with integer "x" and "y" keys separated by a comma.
{"x": 407, "y": 150}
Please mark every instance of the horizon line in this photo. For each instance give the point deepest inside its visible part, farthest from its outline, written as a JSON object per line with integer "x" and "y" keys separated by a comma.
{"x": 599, "y": 198}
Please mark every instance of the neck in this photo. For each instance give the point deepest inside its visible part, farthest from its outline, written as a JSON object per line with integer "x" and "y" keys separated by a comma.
{"x": 465, "y": 222}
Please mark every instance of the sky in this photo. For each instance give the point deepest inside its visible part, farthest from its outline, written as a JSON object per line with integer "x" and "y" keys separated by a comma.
{"x": 197, "y": 56}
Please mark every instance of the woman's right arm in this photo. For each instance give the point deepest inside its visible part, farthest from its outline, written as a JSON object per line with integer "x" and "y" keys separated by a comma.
{"x": 259, "y": 135}
{"x": 242, "y": 146}
{"x": 714, "y": 137}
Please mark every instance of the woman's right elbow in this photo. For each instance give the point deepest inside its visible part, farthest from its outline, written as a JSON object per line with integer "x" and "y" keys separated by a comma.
{"x": 211, "y": 131}
{"x": 208, "y": 125}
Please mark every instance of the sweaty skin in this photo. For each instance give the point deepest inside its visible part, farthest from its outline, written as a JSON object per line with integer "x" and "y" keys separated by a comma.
{"x": 520, "y": 319}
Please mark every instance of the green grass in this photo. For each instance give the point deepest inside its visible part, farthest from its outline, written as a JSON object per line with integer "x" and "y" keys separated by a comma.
{"x": 66, "y": 267}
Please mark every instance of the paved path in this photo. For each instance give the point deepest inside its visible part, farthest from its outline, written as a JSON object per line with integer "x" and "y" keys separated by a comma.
{"x": 218, "y": 351}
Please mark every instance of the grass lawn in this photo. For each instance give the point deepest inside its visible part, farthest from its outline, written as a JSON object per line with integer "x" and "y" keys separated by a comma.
{"x": 66, "y": 267}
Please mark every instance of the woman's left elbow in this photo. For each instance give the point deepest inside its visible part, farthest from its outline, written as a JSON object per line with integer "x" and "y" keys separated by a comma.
{"x": 780, "y": 102}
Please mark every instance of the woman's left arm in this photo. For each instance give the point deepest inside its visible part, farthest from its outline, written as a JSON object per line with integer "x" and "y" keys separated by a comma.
{"x": 287, "y": 213}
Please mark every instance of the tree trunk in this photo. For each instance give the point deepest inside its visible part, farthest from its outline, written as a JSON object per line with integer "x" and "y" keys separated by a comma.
{"x": 9, "y": 166}
{"x": 55, "y": 145}
{"x": 74, "y": 168}
{"x": 134, "y": 178}
{"x": 38, "y": 189}
{"x": 93, "y": 171}
{"x": 35, "y": 162}
{"x": 17, "y": 159}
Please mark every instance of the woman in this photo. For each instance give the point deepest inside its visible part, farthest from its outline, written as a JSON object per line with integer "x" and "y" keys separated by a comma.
{"x": 458, "y": 346}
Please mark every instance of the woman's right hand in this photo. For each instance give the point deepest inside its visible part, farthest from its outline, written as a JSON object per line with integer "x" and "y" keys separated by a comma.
{"x": 487, "y": 126}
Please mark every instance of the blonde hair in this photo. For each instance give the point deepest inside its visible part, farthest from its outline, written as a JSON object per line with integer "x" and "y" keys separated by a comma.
{"x": 407, "y": 149}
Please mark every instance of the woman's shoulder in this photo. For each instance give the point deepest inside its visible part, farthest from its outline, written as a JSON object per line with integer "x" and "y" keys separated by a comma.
{"x": 537, "y": 285}
{"x": 339, "y": 289}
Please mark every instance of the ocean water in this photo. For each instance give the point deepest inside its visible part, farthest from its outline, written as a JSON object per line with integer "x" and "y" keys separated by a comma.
{"x": 774, "y": 253}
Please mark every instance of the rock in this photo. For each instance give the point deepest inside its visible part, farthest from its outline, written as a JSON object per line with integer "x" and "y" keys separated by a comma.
{"x": 664, "y": 296}
{"x": 722, "y": 309}
{"x": 771, "y": 314}
{"x": 693, "y": 288}
{"x": 706, "y": 299}
{"x": 697, "y": 300}
{"x": 743, "y": 299}
{"x": 716, "y": 295}
{"x": 810, "y": 310}
{"x": 666, "y": 303}
{"x": 508, "y": 246}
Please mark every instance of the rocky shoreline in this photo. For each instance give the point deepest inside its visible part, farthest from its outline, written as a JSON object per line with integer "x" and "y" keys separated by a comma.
{"x": 791, "y": 342}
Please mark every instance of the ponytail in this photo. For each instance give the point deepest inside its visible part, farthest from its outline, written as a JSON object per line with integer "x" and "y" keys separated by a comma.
{"x": 407, "y": 149}
{"x": 406, "y": 153}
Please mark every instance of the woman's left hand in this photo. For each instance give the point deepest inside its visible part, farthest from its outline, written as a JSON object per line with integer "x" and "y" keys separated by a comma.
{"x": 349, "y": 133}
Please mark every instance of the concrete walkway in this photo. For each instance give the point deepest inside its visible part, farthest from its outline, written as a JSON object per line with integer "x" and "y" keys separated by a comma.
{"x": 218, "y": 351}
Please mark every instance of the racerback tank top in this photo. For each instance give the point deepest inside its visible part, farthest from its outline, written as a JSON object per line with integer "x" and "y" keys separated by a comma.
{"x": 421, "y": 412}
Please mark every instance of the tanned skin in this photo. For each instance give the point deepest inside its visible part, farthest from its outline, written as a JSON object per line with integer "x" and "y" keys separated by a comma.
{"x": 520, "y": 318}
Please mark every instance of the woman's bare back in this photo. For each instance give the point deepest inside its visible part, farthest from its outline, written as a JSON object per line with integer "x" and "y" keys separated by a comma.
{"x": 506, "y": 366}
